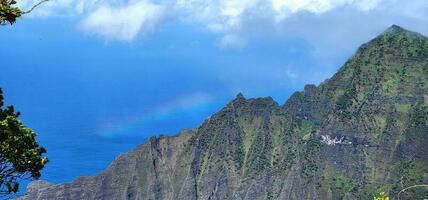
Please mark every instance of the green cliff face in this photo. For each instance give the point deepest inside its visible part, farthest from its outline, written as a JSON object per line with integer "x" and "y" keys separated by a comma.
{"x": 359, "y": 134}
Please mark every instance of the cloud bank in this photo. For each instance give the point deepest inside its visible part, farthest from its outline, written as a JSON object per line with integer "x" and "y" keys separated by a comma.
{"x": 124, "y": 22}
{"x": 231, "y": 20}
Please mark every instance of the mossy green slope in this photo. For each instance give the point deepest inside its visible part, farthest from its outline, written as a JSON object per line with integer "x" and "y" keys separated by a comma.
{"x": 360, "y": 134}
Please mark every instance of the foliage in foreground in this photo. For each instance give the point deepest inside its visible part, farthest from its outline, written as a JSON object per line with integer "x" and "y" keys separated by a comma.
{"x": 8, "y": 12}
{"x": 20, "y": 154}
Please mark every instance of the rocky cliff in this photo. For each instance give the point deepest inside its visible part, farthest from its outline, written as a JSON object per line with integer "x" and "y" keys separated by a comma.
{"x": 358, "y": 135}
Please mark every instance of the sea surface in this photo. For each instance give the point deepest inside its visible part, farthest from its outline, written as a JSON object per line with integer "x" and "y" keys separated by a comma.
{"x": 90, "y": 100}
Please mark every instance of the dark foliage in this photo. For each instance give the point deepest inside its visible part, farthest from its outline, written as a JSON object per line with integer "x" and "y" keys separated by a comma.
{"x": 20, "y": 154}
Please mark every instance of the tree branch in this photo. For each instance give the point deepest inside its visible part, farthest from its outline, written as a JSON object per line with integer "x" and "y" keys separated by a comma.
{"x": 35, "y": 6}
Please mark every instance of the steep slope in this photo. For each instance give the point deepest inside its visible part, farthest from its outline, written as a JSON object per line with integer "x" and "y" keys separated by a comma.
{"x": 153, "y": 170}
{"x": 358, "y": 134}
{"x": 376, "y": 109}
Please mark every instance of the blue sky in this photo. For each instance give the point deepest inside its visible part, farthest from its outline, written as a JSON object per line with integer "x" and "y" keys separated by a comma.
{"x": 94, "y": 78}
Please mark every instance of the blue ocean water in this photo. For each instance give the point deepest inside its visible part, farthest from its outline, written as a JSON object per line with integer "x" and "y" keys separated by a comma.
{"x": 90, "y": 100}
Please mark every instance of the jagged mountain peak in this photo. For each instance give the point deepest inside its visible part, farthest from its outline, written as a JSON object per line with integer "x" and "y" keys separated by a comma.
{"x": 242, "y": 103}
{"x": 399, "y": 41}
{"x": 397, "y": 55}
{"x": 396, "y": 30}
{"x": 240, "y": 96}
{"x": 361, "y": 133}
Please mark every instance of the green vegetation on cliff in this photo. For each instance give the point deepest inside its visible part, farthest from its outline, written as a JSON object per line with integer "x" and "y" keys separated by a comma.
{"x": 360, "y": 135}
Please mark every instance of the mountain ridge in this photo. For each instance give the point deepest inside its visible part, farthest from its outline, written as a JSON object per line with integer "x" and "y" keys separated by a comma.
{"x": 356, "y": 135}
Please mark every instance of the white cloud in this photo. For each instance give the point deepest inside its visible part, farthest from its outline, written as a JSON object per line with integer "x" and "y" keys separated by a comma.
{"x": 232, "y": 20}
{"x": 123, "y": 23}
{"x": 219, "y": 15}
{"x": 320, "y": 6}
{"x": 367, "y": 5}
{"x": 58, "y": 8}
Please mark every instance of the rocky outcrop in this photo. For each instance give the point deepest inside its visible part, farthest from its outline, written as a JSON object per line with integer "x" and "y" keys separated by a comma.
{"x": 358, "y": 134}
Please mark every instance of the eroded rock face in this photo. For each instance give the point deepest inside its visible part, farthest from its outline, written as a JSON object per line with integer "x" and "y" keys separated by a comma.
{"x": 374, "y": 111}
